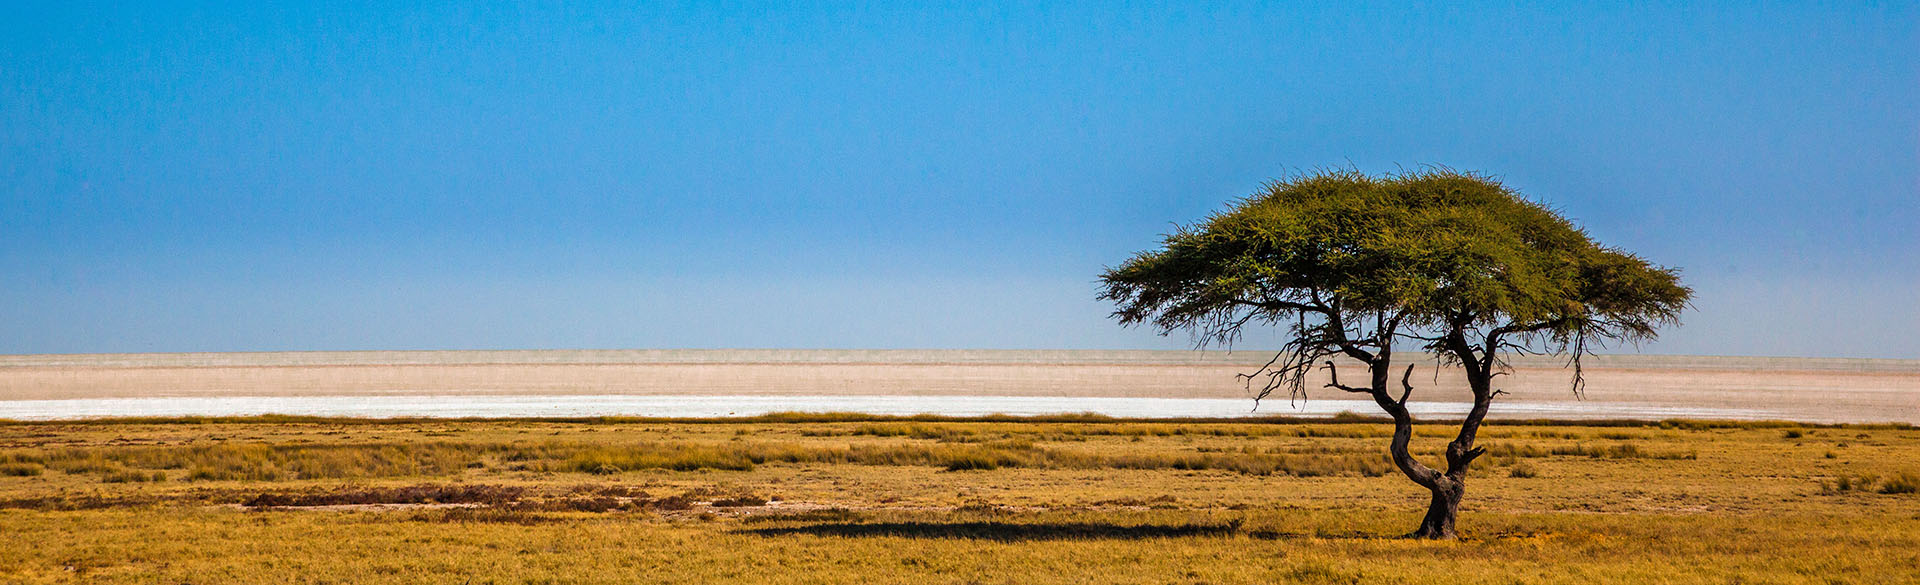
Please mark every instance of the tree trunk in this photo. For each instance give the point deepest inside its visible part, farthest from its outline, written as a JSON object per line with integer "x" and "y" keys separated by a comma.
{"x": 1441, "y": 511}
{"x": 1447, "y": 488}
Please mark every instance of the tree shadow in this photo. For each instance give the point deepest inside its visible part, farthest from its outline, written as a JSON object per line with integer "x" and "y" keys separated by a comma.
{"x": 1001, "y": 531}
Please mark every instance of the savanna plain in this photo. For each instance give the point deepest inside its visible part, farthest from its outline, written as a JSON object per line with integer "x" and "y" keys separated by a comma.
{"x": 928, "y": 500}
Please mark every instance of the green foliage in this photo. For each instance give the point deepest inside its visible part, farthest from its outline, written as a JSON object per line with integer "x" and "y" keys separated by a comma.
{"x": 1435, "y": 248}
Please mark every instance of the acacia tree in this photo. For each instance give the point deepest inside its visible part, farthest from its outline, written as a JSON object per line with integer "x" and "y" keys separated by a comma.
{"x": 1347, "y": 264}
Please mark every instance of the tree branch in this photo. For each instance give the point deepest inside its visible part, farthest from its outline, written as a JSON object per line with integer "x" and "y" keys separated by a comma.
{"x": 1278, "y": 305}
{"x": 1406, "y": 386}
{"x": 1532, "y": 327}
{"x": 1495, "y": 343}
{"x": 1333, "y": 374}
{"x": 1340, "y": 340}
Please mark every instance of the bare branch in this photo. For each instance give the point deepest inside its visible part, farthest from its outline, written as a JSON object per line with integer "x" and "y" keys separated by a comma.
{"x": 1406, "y": 386}
{"x": 1334, "y": 374}
{"x": 1579, "y": 376}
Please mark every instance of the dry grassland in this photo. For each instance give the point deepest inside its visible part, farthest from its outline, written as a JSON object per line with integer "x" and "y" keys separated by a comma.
{"x": 847, "y": 499}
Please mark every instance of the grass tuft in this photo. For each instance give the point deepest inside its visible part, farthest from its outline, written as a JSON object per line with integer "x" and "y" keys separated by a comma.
{"x": 745, "y": 501}
{"x": 134, "y": 476}
{"x": 21, "y": 469}
{"x": 1905, "y": 483}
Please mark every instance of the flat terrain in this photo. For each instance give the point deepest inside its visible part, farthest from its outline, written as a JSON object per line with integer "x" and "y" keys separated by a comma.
{"x": 1812, "y": 390}
{"x": 822, "y": 499}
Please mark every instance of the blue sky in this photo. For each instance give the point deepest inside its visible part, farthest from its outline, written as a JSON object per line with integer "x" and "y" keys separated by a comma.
{"x": 379, "y": 176}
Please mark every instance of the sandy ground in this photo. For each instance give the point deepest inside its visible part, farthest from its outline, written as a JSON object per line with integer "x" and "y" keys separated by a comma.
{"x": 1824, "y": 390}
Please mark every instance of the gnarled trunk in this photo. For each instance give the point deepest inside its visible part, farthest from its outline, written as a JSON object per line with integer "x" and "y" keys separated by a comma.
{"x": 1447, "y": 488}
{"x": 1450, "y": 487}
{"x": 1441, "y": 512}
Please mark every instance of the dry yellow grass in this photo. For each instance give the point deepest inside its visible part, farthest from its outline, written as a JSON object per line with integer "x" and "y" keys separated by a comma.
{"x": 901, "y": 502}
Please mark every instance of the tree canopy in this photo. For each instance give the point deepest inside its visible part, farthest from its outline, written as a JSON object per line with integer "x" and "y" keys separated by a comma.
{"x": 1425, "y": 250}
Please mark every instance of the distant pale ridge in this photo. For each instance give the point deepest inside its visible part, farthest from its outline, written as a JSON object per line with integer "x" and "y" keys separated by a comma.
{"x": 1629, "y": 386}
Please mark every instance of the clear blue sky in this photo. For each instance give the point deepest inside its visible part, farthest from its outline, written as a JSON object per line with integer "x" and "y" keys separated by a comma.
{"x": 374, "y": 176}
